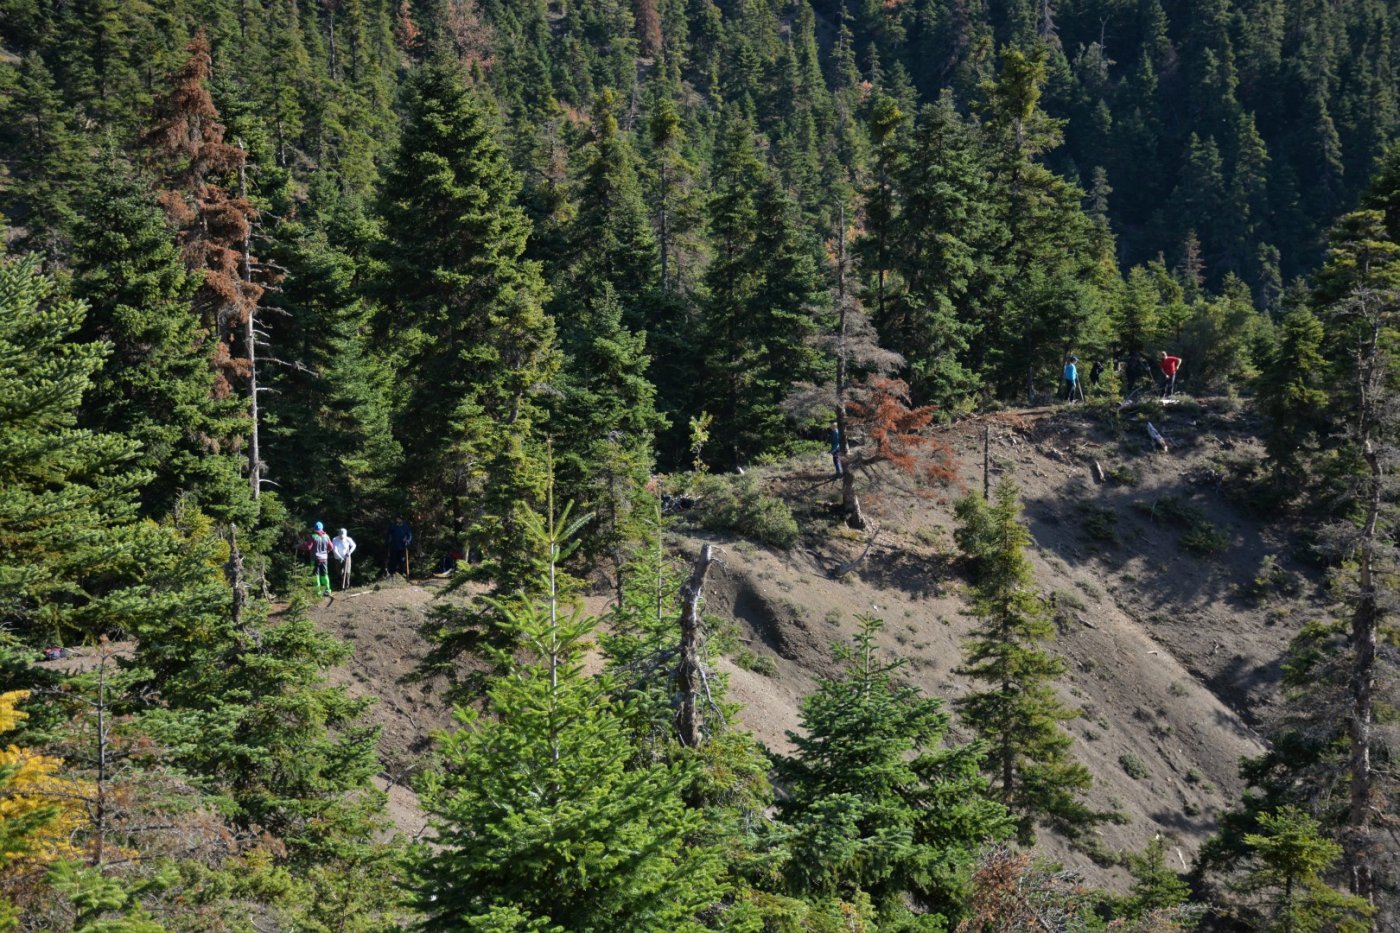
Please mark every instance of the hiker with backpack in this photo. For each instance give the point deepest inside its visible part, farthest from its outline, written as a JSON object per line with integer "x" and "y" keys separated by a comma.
{"x": 321, "y": 555}
{"x": 1169, "y": 366}
{"x": 400, "y": 537}
{"x": 1071, "y": 375}
{"x": 342, "y": 545}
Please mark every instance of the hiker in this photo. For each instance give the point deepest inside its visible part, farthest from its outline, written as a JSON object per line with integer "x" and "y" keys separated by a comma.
{"x": 836, "y": 448}
{"x": 342, "y": 545}
{"x": 321, "y": 554}
{"x": 1169, "y": 365}
{"x": 1135, "y": 366}
{"x": 400, "y": 537}
{"x": 1071, "y": 378}
{"x": 1095, "y": 374}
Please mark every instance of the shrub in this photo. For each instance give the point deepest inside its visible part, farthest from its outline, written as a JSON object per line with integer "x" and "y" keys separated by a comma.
{"x": 1205, "y": 538}
{"x": 736, "y": 504}
{"x": 758, "y": 663}
{"x": 1124, "y": 475}
{"x": 1133, "y": 766}
{"x": 1273, "y": 578}
{"x": 1100, "y": 523}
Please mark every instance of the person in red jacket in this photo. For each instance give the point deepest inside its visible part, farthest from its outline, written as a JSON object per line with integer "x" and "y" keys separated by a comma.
{"x": 1169, "y": 364}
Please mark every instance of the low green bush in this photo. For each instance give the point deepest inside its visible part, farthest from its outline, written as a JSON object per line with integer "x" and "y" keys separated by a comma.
{"x": 738, "y": 505}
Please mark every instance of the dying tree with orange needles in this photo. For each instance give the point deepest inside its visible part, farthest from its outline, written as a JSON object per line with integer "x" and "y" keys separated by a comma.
{"x": 187, "y": 148}
{"x": 867, "y": 401}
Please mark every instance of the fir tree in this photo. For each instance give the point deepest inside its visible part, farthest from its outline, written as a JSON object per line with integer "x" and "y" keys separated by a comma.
{"x": 465, "y": 318}
{"x": 66, "y": 546}
{"x": 1018, "y": 714}
{"x": 48, "y": 160}
{"x": 1293, "y": 395}
{"x": 1291, "y": 856}
{"x": 151, "y": 388}
{"x": 877, "y": 802}
{"x": 332, "y": 393}
{"x": 763, "y": 286}
{"x": 943, "y": 229}
{"x": 543, "y": 818}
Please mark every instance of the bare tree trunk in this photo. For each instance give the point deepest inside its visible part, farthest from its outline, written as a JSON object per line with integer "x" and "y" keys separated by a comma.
{"x": 251, "y": 338}
{"x": 100, "y": 808}
{"x": 850, "y": 503}
{"x": 330, "y": 28}
{"x": 688, "y": 720}
{"x": 1364, "y": 622}
{"x": 235, "y": 578}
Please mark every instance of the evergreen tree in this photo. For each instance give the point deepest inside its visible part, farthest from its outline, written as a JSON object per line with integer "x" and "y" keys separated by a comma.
{"x": 877, "y": 803}
{"x": 48, "y": 160}
{"x": 763, "y": 287}
{"x": 1043, "y": 251}
{"x": 196, "y": 165}
{"x": 1156, "y": 887}
{"x": 67, "y": 495}
{"x": 610, "y": 240}
{"x": 465, "y": 319}
{"x": 1017, "y": 715}
{"x": 246, "y": 708}
{"x": 943, "y": 229}
{"x": 151, "y": 388}
{"x": 1293, "y": 396}
{"x": 544, "y": 819}
{"x": 1290, "y": 858}
{"x": 332, "y": 399}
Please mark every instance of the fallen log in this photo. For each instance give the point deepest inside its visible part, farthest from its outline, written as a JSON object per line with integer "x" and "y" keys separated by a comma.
{"x": 850, "y": 565}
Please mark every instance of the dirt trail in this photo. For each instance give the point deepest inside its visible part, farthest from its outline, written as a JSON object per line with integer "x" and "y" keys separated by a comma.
{"x": 1172, "y": 668}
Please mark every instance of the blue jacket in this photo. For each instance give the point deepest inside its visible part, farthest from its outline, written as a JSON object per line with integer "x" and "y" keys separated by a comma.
{"x": 1071, "y": 373}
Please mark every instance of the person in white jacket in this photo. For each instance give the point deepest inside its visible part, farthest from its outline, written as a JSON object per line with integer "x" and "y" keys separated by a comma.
{"x": 343, "y": 545}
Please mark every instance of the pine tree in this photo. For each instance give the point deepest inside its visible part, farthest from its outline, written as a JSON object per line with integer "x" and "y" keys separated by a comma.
{"x": 1291, "y": 855}
{"x": 67, "y": 495}
{"x": 544, "y": 819}
{"x": 48, "y": 161}
{"x": 331, "y": 399}
{"x": 465, "y": 319}
{"x": 878, "y": 803}
{"x": 1018, "y": 715}
{"x": 943, "y": 229}
{"x": 763, "y": 288}
{"x": 151, "y": 388}
{"x": 1293, "y": 395}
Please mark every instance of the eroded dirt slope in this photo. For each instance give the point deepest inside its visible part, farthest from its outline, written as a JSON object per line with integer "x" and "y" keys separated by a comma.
{"x": 1172, "y": 662}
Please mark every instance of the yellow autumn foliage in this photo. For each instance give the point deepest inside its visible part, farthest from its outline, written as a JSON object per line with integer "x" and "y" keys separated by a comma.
{"x": 30, "y": 787}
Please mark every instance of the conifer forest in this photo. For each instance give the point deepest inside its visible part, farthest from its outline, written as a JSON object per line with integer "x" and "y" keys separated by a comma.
{"x": 809, "y": 465}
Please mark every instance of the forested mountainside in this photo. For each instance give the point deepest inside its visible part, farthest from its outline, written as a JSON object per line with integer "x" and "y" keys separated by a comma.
{"x": 455, "y": 264}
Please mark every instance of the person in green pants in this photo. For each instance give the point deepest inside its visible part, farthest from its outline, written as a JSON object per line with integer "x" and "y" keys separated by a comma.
{"x": 321, "y": 553}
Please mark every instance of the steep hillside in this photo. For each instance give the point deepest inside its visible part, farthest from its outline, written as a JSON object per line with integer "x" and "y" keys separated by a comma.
{"x": 1172, "y": 656}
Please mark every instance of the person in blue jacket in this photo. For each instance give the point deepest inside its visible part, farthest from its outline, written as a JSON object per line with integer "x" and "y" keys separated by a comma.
{"x": 1071, "y": 378}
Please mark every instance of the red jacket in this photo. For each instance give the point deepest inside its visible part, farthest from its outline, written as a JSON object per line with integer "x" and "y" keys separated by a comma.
{"x": 1170, "y": 364}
